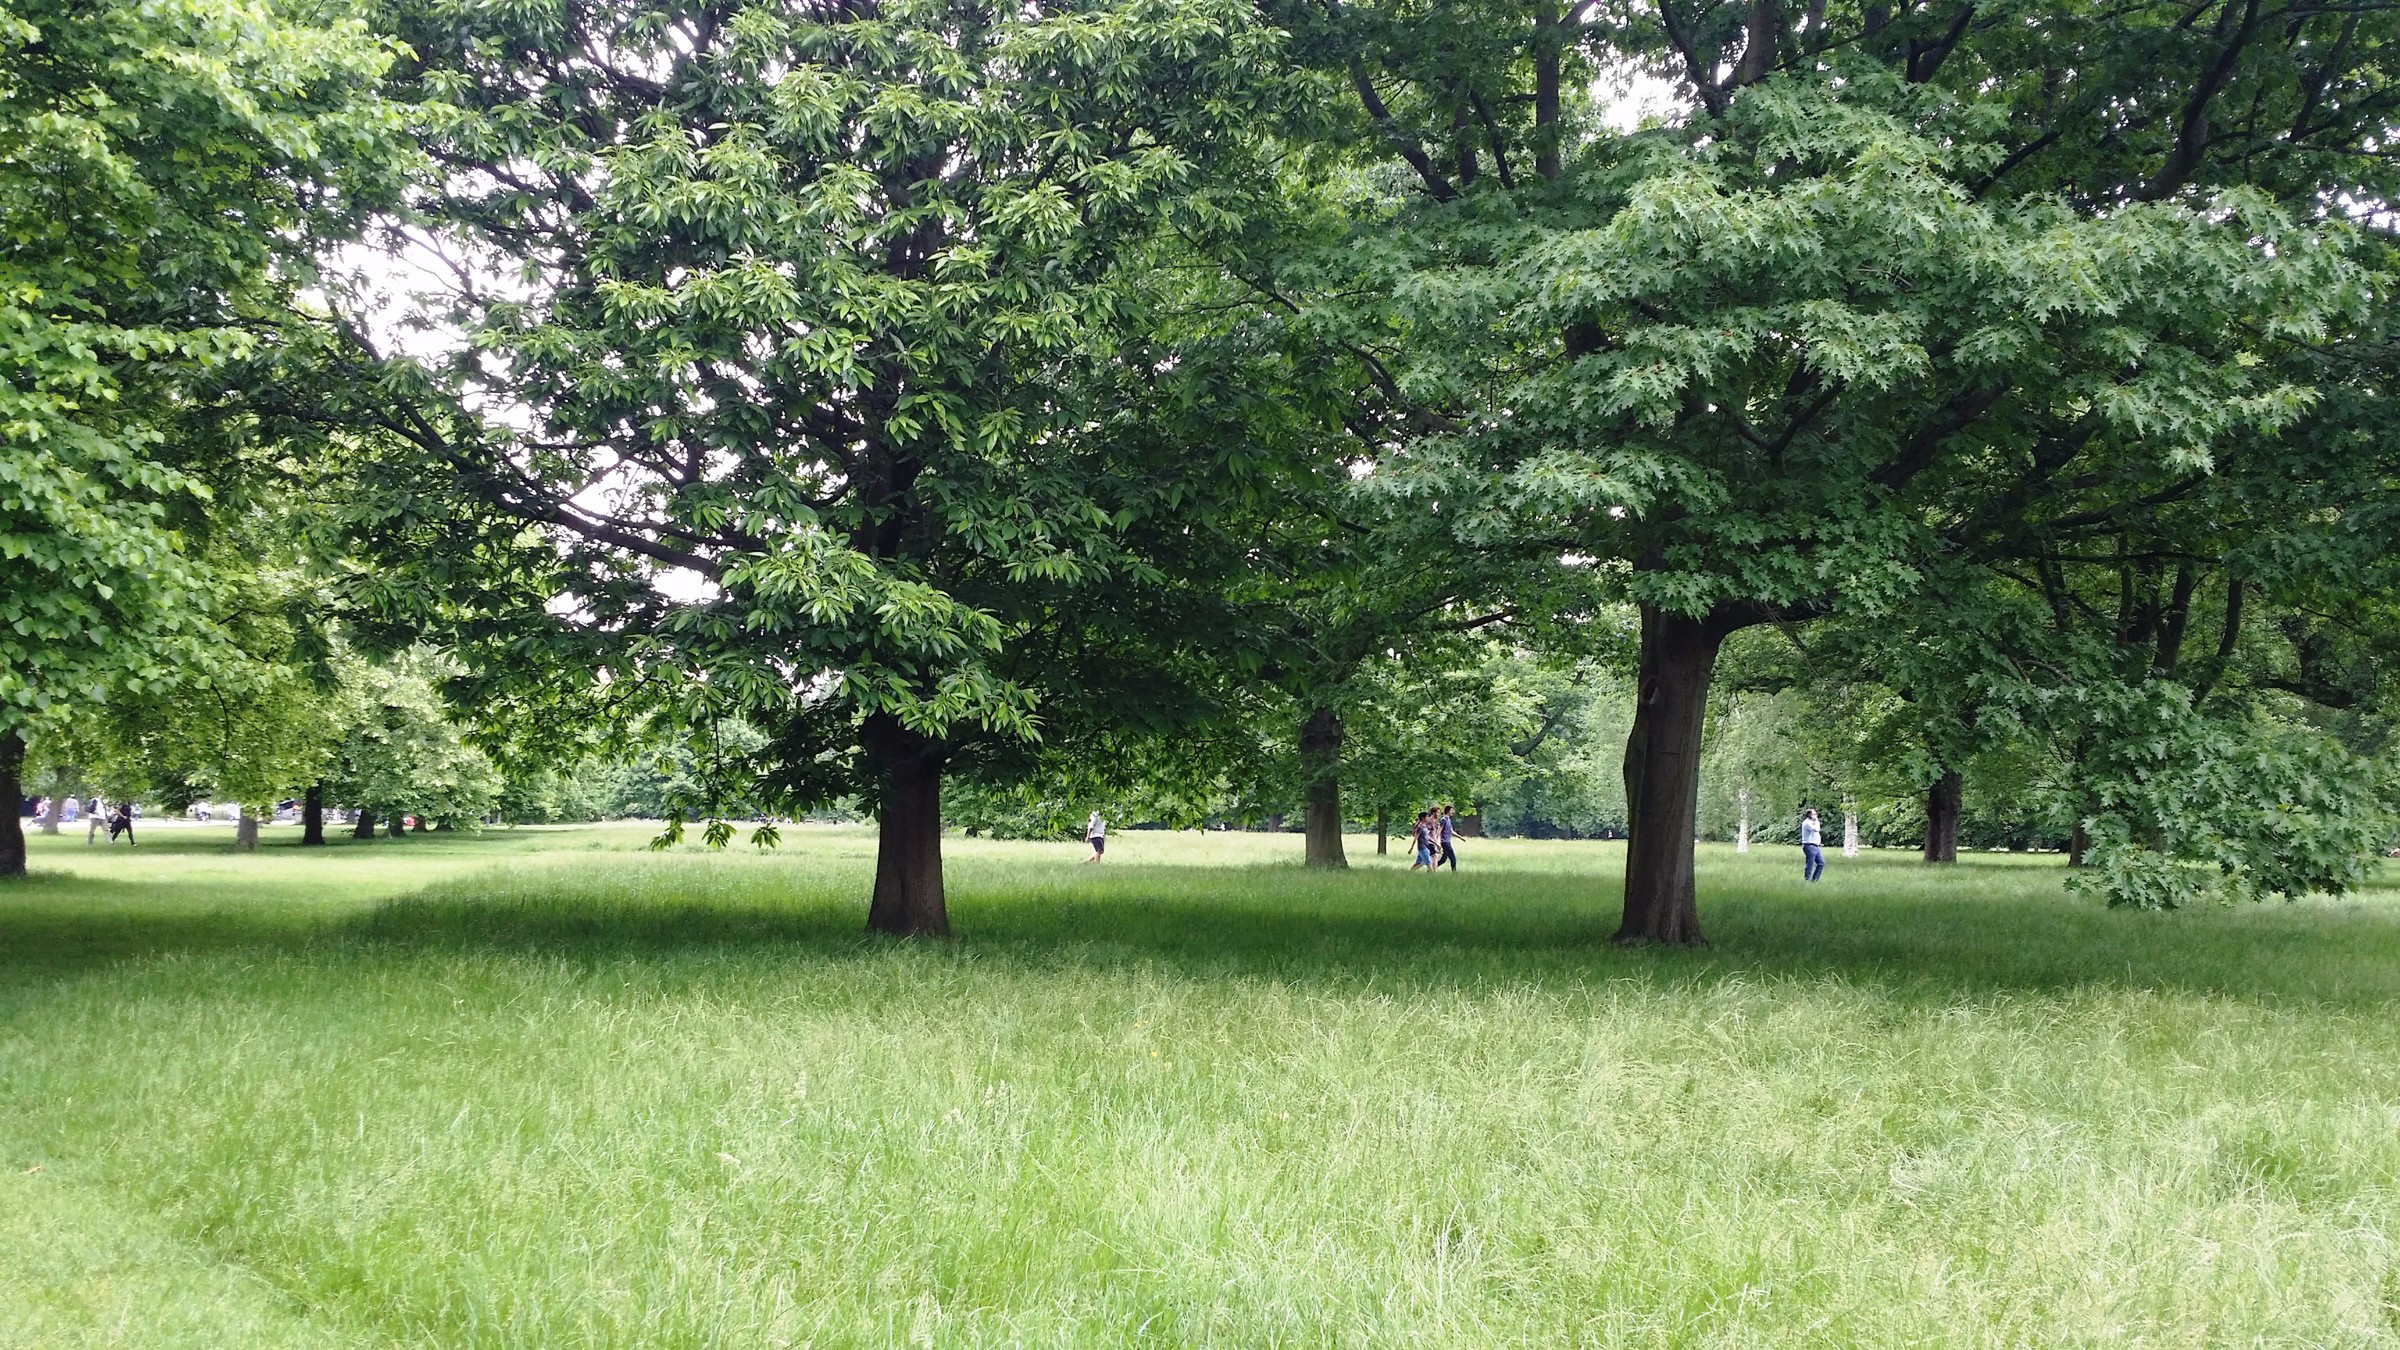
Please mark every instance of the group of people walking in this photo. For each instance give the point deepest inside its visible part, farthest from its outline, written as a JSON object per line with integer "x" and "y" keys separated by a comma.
{"x": 1431, "y": 840}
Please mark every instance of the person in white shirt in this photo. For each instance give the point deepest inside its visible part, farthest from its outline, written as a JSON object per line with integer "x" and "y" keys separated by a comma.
{"x": 1095, "y": 833}
{"x": 1812, "y": 846}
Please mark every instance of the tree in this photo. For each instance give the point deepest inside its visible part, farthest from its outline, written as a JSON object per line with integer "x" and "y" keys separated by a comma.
{"x": 796, "y": 302}
{"x": 404, "y": 755}
{"x": 166, "y": 167}
{"x": 1883, "y": 287}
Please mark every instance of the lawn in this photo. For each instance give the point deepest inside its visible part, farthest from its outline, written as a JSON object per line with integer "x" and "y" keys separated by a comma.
{"x": 543, "y": 1088}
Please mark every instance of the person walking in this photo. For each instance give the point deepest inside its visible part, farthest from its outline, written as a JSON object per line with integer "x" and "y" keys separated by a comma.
{"x": 97, "y": 814}
{"x": 1095, "y": 833}
{"x": 122, "y": 820}
{"x": 1445, "y": 829}
{"x": 1812, "y": 846}
{"x": 1421, "y": 842}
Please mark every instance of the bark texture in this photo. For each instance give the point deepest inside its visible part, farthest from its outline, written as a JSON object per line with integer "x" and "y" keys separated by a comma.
{"x": 1321, "y": 768}
{"x": 1383, "y": 833}
{"x": 908, "y": 899}
{"x": 397, "y": 826}
{"x": 245, "y": 831}
{"x": 312, "y": 815}
{"x": 1941, "y": 819}
{"x": 12, "y": 791}
{"x": 1662, "y": 775}
{"x": 365, "y": 828}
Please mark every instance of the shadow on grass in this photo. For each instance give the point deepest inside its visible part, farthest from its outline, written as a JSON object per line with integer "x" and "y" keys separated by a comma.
{"x": 1550, "y": 931}
{"x": 1915, "y": 937}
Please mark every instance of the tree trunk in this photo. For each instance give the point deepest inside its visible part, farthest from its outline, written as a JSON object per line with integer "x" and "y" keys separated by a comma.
{"x": 908, "y": 900}
{"x": 396, "y": 827}
{"x": 2078, "y": 843}
{"x": 1662, "y": 776}
{"x": 1741, "y": 831}
{"x": 365, "y": 828}
{"x": 1321, "y": 767}
{"x": 1941, "y": 819}
{"x": 1849, "y": 827}
{"x": 312, "y": 816}
{"x": 1470, "y": 825}
{"x": 421, "y": 827}
{"x": 12, "y": 791}
{"x": 1383, "y": 833}
{"x": 68, "y": 783}
{"x": 245, "y": 831}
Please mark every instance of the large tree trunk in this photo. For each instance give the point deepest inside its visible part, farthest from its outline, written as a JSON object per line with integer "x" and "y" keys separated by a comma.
{"x": 312, "y": 815}
{"x": 12, "y": 791}
{"x": 1941, "y": 819}
{"x": 908, "y": 900}
{"x": 365, "y": 828}
{"x": 1662, "y": 776}
{"x": 245, "y": 831}
{"x": 1383, "y": 833}
{"x": 397, "y": 826}
{"x": 1321, "y": 768}
{"x": 2078, "y": 843}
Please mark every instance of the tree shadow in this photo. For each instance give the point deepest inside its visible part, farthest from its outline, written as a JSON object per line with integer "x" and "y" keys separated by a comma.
{"x": 1551, "y": 931}
{"x": 1919, "y": 937}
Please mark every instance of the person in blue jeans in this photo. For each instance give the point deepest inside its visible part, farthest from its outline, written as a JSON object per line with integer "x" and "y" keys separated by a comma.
{"x": 1812, "y": 846}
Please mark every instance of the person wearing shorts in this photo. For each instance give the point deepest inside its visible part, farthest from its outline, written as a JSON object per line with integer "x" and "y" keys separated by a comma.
{"x": 1095, "y": 833}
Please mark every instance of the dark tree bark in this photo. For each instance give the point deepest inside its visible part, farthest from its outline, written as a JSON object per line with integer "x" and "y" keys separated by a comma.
{"x": 1941, "y": 819}
{"x": 2078, "y": 843}
{"x": 1321, "y": 767}
{"x": 396, "y": 827}
{"x": 365, "y": 828}
{"x": 1383, "y": 833}
{"x": 245, "y": 831}
{"x": 908, "y": 900}
{"x": 312, "y": 816}
{"x": 1470, "y": 825}
{"x": 1662, "y": 775}
{"x": 12, "y": 791}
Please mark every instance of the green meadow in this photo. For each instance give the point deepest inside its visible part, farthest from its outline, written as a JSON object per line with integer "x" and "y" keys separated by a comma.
{"x": 546, "y": 1088}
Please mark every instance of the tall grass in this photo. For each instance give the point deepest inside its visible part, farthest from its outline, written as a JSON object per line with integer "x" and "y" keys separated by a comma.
{"x": 515, "y": 1091}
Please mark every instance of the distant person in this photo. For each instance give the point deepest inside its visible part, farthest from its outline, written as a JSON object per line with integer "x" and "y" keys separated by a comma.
{"x": 1446, "y": 828}
{"x": 1812, "y": 846}
{"x": 97, "y": 814}
{"x": 1095, "y": 833}
{"x": 1421, "y": 842}
{"x": 122, "y": 822}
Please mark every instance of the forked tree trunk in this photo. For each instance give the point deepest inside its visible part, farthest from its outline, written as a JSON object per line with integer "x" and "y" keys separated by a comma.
{"x": 1662, "y": 776}
{"x": 1321, "y": 768}
{"x": 365, "y": 828}
{"x": 245, "y": 831}
{"x": 1941, "y": 819}
{"x": 12, "y": 791}
{"x": 312, "y": 816}
{"x": 908, "y": 900}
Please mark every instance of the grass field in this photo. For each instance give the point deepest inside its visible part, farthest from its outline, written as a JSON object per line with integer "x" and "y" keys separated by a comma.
{"x": 542, "y": 1088}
